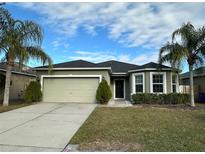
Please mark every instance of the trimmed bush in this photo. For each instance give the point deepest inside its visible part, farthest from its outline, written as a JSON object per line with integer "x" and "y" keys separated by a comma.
{"x": 172, "y": 98}
{"x": 104, "y": 93}
{"x": 33, "y": 92}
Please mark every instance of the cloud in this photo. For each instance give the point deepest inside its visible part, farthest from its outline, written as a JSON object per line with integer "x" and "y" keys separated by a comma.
{"x": 99, "y": 56}
{"x": 55, "y": 43}
{"x": 60, "y": 43}
{"x": 147, "y": 25}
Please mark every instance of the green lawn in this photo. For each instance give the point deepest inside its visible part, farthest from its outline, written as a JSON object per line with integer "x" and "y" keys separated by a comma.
{"x": 142, "y": 129}
{"x": 13, "y": 106}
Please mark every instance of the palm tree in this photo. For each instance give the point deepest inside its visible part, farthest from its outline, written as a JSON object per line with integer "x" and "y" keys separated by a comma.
{"x": 189, "y": 48}
{"x": 19, "y": 41}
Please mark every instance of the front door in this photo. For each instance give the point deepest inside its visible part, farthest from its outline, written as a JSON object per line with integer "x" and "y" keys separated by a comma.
{"x": 119, "y": 88}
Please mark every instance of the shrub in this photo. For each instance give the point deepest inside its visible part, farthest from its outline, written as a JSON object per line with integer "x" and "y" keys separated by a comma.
{"x": 33, "y": 92}
{"x": 172, "y": 98}
{"x": 103, "y": 94}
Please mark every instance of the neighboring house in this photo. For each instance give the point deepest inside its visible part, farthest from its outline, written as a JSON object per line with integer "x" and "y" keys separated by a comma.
{"x": 199, "y": 81}
{"x": 77, "y": 81}
{"x": 19, "y": 81}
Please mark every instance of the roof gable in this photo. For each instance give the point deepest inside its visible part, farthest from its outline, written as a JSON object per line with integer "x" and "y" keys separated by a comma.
{"x": 117, "y": 66}
{"x": 72, "y": 64}
{"x": 151, "y": 65}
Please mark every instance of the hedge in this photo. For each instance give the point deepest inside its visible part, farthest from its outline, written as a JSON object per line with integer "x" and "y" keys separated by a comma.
{"x": 33, "y": 92}
{"x": 104, "y": 93}
{"x": 171, "y": 98}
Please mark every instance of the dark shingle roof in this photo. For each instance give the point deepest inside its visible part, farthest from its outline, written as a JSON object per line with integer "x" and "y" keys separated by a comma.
{"x": 117, "y": 66}
{"x": 197, "y": 72}
{"x": 72, "y": 64}
{"x": 152, "y": 65}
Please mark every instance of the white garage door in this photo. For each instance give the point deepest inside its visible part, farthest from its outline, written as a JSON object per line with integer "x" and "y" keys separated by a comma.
{"x": 71, "y": 90}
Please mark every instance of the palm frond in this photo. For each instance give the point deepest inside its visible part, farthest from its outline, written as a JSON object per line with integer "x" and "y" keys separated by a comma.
{"x": 38, "y": 54}
{"x": 173, "y": 53}
{"x": 188, "y": 34}
{"x": 31, "y": 33}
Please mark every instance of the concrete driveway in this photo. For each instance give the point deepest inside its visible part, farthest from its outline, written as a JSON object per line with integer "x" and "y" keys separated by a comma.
{"x": 41, "y": 127}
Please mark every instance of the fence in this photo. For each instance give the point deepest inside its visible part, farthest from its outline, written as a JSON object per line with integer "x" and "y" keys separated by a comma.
{"x": 184, "y": 89}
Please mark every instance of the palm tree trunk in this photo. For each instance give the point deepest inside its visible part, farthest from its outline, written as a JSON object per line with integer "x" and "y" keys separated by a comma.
{"x": 191, "y": 86}
{"x": 7, "y": 85}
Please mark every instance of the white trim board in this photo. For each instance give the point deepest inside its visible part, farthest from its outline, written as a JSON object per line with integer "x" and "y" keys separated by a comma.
{"x": 177, "y": 82}
{"x": 124, "y": 89}
{"x": 150, "y": 69}
{"x": 77, "y": 68}
{"x": 69, "y": 76}
{"x": 164, "y": 81}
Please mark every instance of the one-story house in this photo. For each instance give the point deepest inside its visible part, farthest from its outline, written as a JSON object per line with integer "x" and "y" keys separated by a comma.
{"x": 77, "y": 81}
{"x": 199, "y": 80}
{"x": 19, "y": 81}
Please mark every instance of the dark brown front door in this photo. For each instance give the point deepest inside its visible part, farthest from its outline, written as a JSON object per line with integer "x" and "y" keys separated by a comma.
{"x": 119, "y": 88}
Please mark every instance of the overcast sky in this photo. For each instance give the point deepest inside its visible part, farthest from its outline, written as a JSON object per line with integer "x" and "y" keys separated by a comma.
{"x": 129, "y": 32}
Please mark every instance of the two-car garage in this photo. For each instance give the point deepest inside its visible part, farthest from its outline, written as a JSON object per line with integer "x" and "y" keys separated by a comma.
{"x": 70, "y": 89}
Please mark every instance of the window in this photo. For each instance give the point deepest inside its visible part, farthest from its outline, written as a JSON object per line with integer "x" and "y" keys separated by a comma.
{"x": 139, "y": 83}
{"x": 174, "y": 83}
{"x": 157, "y": 83}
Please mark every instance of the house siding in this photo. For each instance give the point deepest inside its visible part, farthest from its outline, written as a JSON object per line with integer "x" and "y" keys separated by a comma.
{"x": 104, "y": 73}
{"x": 169, "y": 82}
{"x": 19, "y": 83}
{"x": 110, "y": 79}
{"x": 147, "y": 82}
{"x": 127, "y": 88}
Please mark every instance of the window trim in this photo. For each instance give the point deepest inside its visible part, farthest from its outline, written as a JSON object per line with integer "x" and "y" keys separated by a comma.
{"x": 177, "y": 83}
{"x": 164, "y": 82}
{"x": 134, "y": 84}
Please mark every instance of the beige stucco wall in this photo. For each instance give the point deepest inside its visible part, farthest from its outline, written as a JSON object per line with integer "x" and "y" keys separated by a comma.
{"x": 110, "y": 80}
{"x": 104, "y": 73}
{"x": 18, "y": 84}
{"x": 169, "y": 82}
{"x": 147, "y": 82}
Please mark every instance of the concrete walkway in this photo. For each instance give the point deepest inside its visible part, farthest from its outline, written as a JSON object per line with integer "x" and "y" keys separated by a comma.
{"x": 41, "y": 127}
{"x": 118, "y": 103}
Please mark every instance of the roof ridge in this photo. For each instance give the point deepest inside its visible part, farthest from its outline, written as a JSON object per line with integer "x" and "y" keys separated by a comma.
{"x": 118, "y": 62}
{"x": 74, "y": 61}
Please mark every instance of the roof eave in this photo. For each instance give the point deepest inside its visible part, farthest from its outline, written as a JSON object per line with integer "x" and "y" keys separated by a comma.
{"x": 75, "y": 68}
{"x": 21, "y": 73}
{"x": 119, "y": 74}
{"x": 149, "y": 69}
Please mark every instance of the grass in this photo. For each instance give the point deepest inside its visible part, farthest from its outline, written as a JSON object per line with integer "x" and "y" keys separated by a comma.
{"x": 12, "y": 106}
{"x": 142, "y": 129}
